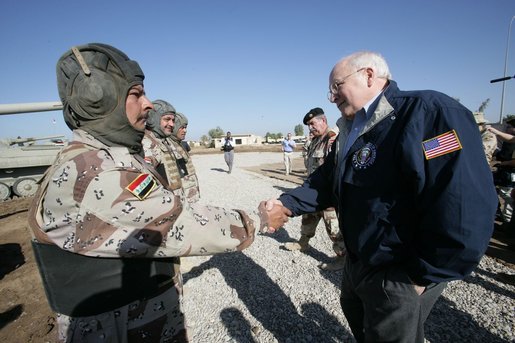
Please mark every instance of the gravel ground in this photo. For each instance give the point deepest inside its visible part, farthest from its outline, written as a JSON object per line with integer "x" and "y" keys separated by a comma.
{"x": 267, "y": 294}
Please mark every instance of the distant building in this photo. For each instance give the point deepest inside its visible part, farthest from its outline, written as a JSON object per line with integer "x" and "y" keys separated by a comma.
{"x": 241, "y": 139}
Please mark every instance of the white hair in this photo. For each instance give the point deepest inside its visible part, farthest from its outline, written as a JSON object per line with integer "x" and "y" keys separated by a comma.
{"x": 369, "y": 59}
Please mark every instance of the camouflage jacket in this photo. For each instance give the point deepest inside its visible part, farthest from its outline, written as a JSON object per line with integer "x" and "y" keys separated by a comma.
{"x": 104, "y": 202}
{"x": 174, "y": 163}
{"x": 101, "y": 201}
{"x": 319, "y": 148}
{"x": 489, "y": 144}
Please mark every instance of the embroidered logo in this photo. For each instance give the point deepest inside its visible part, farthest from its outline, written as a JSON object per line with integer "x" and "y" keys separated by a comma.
{"x": 441, "y": 145}
{"x": 142, "y": 186}
{"x": 364, "y": 157}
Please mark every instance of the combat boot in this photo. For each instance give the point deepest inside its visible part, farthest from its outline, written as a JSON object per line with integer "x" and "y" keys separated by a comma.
{"x": 337, "y": 264}
{"x": 302, "y": 244}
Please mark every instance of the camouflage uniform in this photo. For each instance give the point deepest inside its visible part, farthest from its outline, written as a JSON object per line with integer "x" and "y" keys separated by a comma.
{"x": 173, "y": 162}
{"x": 305, "y": 149}
{"x": 103, "y": 202}
{"x": 317, "y": 152}
{"x": 489, "y": 143}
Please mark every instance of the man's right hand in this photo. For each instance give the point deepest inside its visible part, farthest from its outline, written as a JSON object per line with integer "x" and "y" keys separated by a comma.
{"x": 273, "y": 215}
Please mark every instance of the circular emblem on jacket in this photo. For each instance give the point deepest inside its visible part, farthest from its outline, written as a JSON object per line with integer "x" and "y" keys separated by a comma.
{"x": 364, "y": 157}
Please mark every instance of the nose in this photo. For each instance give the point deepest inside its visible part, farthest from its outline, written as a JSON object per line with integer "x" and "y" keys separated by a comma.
{"x": 147, "y": 104}
{"x": 331, "y": 97}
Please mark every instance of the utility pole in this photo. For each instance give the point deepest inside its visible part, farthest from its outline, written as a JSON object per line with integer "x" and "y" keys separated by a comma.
{"x": 505, "y": 70}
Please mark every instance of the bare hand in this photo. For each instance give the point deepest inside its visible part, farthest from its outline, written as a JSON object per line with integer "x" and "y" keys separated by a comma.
{"x": 273, "y": 215}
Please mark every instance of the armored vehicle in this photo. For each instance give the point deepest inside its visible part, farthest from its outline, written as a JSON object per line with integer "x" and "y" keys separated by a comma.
{"x": 23, "y": 161}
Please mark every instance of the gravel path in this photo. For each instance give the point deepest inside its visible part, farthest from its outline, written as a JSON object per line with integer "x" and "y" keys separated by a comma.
{"x": 267, "y": 294}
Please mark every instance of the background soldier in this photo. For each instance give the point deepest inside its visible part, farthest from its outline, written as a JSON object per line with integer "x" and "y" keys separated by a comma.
{"x": 186, "y": 171}
{"x": 163, "y": 149}
{"x": 156, "y": 146}
{"x": 489, "y": 139}
{"x": 107, "y": 232}
{"x": 320, "y": 146}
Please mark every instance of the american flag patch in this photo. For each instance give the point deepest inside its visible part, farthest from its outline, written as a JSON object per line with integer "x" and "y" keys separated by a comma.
{"x": 142, "y": 186}
{"x": 441, "y": 145}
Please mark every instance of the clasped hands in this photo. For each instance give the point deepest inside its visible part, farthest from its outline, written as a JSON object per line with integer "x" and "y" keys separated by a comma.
{"x": 273, "y": 215}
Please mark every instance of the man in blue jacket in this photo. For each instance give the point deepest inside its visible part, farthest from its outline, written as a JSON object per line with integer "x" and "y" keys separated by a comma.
{"x": 413, "y": 192}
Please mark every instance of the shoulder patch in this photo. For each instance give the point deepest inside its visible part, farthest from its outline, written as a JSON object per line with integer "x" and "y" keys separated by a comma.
{"x": 142, "y": 186}
{"x": 441, "y": 145}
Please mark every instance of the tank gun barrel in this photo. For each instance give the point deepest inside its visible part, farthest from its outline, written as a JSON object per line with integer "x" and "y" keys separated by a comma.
{"x": 30, "y": 107}
{"x": 33, "y": 139}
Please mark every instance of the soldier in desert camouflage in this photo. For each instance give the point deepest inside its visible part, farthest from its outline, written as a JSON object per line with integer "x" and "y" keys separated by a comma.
{"x": 166, "y": 129}
{"x": 107, "y": 233}
{"x": 319, "y": 147}
{"x": 487, "y": 137}
{"x": 186, "y": 170}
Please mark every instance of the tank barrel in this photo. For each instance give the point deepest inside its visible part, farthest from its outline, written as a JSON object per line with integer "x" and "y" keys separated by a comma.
{"x": 30, "y": 107}
{"x": 33, "y": 139}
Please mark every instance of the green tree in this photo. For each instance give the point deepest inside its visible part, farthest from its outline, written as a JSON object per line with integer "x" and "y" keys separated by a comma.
{"x": 299, "y": 130}
{"x": 216, "y": 133}
{"x": 205, "y": 140}
{"x": 509, "y": 117}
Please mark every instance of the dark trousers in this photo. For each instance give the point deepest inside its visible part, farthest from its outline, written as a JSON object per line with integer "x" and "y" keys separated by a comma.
{"x": 381, "y": 304}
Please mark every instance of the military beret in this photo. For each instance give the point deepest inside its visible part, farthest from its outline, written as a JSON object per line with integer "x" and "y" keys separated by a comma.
{"x": 314, "y": 112}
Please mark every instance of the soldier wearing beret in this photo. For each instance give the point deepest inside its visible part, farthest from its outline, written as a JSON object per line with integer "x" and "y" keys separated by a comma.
{"x": 317, "y": 151}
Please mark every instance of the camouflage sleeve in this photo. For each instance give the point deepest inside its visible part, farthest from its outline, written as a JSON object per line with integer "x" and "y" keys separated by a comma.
{"x": 95, "y": 209}
{"x": 151, "y": 151}
{"x": 489, "y": 145}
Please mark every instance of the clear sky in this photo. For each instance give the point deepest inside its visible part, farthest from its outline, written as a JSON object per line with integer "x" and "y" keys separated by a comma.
{"x": 256, "y": 66}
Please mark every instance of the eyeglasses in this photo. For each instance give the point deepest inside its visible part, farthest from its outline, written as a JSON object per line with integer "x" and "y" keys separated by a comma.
{"x": 333, "y": 88}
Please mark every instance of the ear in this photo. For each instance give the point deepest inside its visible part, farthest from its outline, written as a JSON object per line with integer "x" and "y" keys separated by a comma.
{"x": 370, "y": 76}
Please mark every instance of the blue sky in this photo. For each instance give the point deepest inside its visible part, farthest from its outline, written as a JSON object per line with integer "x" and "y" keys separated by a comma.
{"x": 256, "y": 66}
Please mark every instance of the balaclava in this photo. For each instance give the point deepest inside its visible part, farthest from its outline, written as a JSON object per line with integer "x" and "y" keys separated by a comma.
{"x": 93, "y": 82}
{"x": 161, "y": 108}
{"x": 180, "y": 121}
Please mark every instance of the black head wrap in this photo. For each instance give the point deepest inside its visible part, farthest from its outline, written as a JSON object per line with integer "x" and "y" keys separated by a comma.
{"x": 93, "y": 82}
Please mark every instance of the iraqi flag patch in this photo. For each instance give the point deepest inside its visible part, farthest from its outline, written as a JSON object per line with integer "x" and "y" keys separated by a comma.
{"x": 441, "y": 145}
{"x": 142, "y": 186}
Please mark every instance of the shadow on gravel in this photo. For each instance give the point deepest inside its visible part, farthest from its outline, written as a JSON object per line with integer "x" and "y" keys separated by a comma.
{"x": 266, "y": 302}
{"x": 447, "y": 324}
{"x": 489, "y": 286}
{"x": 282, "y": 236}
{"x": 238, "y": 327}
{"x": 219, "y": 170}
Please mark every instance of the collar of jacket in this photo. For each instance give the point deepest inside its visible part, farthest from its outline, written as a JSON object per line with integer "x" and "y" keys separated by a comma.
{"x": 383, "y": 109}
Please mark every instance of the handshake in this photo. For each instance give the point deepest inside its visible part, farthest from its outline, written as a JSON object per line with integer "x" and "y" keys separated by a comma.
{"x": 273, "y": 215}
